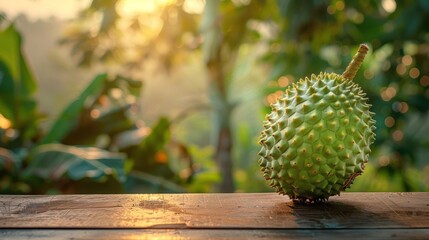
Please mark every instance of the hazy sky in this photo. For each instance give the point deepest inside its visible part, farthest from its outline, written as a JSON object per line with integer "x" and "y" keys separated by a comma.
{"x": 42, "y": 9}
{"x": 67, "y": 9}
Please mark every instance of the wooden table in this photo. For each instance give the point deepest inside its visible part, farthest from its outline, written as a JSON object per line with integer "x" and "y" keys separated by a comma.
{"x": 214, "y": 216}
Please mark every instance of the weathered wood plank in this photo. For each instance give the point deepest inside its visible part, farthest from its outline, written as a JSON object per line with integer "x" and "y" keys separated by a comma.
{"x": 250, "y": 211}
{"x": 207, "y": 234}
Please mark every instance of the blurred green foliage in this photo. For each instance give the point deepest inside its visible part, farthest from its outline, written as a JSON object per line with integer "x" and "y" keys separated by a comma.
{"x": 26, "y": 167}
{"x": 258, "y": 48}
{"x": 81, "y": 151}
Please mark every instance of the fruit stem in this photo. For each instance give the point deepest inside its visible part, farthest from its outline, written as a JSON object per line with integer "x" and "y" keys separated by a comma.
{"x": 355, "y": 63}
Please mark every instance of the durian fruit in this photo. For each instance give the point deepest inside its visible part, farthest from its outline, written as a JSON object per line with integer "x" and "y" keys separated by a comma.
{"x": 317, "y": 138}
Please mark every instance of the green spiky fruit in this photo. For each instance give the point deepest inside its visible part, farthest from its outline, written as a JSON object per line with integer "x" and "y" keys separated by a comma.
{"x": 317, "y": 138}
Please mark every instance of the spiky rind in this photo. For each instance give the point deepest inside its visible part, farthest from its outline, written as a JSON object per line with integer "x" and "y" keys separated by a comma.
{"x": 317, "y": 138}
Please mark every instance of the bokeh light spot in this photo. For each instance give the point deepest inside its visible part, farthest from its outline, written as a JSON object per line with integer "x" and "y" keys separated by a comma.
{"x": 193, "y": 6}
{"x": 407, "y": 60}
{"x": 383, "y": 160}
{"x": 401, "y": 69}
{"x": 4, "y": 122}
{"x": 116, "y": 93}
{"x": 397, "y": 135}
{"x": 388, "y": 93}
{"x": 330, "y": 10}
{"x": 389, "y": 121}
{"x": 401, "y": 107}
{"x": 11, "y": 133}
{"x": 339, "y": 5}
{"x": 283, "y": 81}
{"x": 389, "y": 5}
{"x": 95, "y": 113}
{"x": 414, "y": 72}
{"x": 404, "y": 107}
{"x": 424, "y": 81}
{"x": 272, "y": 98}
{"x": 368, "y": 74}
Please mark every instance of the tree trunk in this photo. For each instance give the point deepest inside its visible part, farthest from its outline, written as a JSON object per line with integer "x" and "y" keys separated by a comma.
{"x": 221, "y": 122}
{"x": 224, "y": 160}
{"x": 212, "y": 48}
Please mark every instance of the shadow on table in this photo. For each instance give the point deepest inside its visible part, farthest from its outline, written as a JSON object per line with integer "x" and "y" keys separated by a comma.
{"x": 333, "y": 215}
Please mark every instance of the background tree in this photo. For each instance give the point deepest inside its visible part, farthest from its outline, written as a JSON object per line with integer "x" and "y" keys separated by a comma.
{"x": 222, "y": 37}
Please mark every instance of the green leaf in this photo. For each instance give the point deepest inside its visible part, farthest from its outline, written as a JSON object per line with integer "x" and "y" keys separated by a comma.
{"x": 69, "y": 118}
{"x": 11, "y": 54}
{"x": 7, "y": 95}
{"x": 55, "y": 161}
{"x": 111, "y": 98}
{"x": 110, "y": 123}
{"x": 17, "y": 85}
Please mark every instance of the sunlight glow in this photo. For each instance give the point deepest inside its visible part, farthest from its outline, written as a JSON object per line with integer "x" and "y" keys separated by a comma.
{"x": 4, "y": 122}
{"x": 147, "y": 15}
{"x": 44, "y": 9}
{"x": 193, "y": 6}
{"x": 389, "y": 5}
{"x": 116, "y": 93}
{"x": 132, "y": 8}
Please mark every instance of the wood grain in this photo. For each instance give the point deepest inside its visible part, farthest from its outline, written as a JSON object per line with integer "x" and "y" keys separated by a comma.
{"x": 260, "y": 211}
{"x": 171, "y": 234}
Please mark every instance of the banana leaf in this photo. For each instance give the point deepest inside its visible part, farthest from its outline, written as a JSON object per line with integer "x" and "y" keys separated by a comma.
{"x": 110, "y": 100}
{"x": 17, "y": 85}
{"x": 57, "y": 161}
{"x": 69, "y": 118}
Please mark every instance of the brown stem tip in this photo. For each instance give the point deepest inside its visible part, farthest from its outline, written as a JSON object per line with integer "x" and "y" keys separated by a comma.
{"x": 355, "y": 63}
